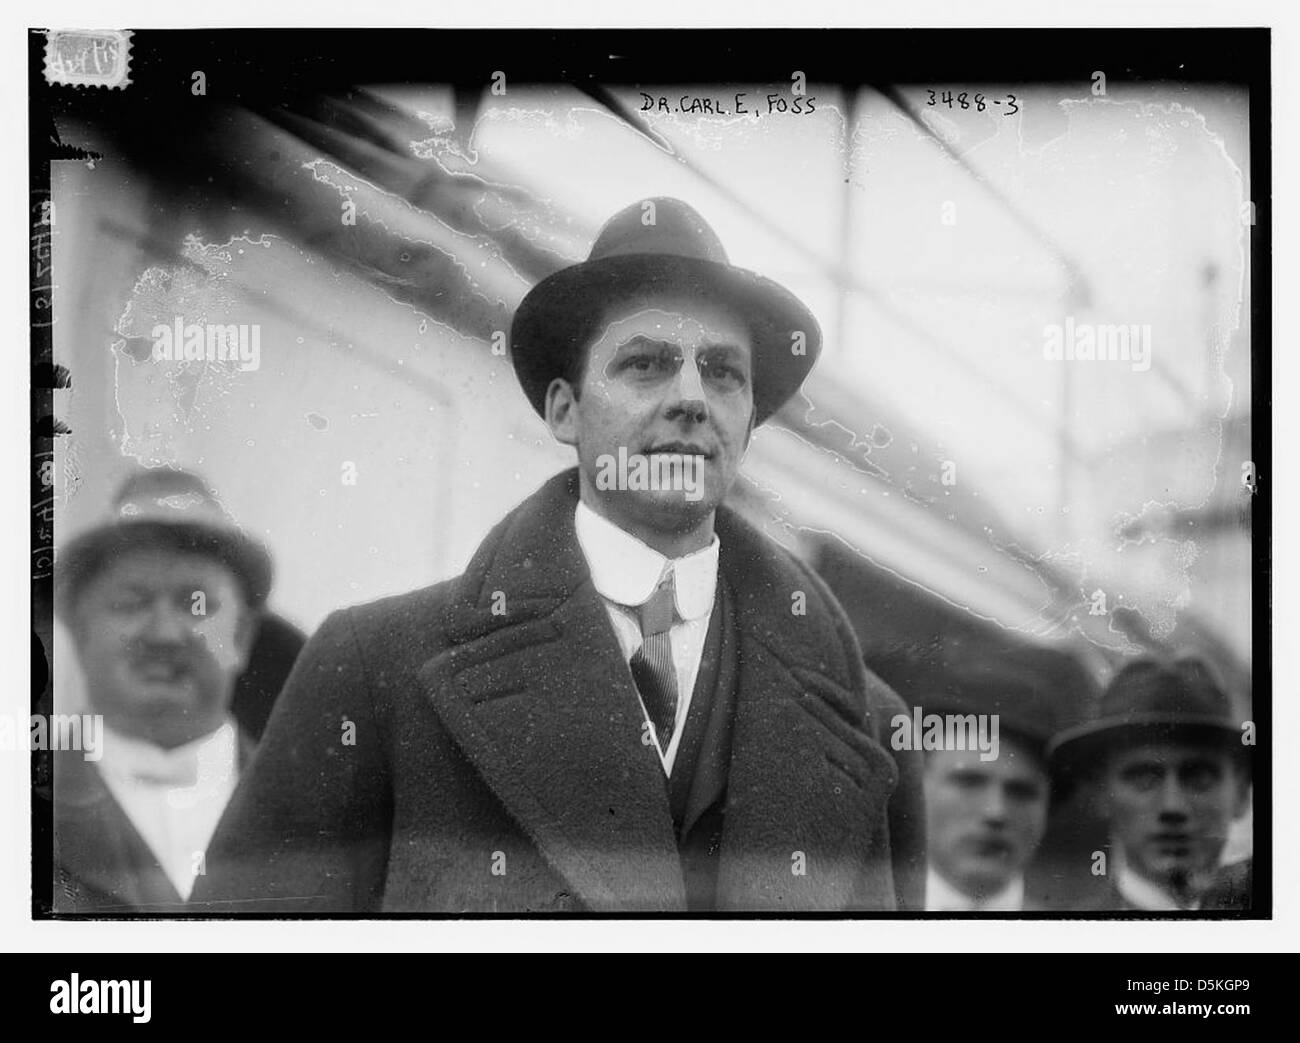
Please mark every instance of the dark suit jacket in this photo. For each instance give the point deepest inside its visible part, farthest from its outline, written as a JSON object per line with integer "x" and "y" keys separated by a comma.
{"x": 496, "y": 761}
{"x": 1230, "y": 890}
{"x": 102, "y": 865}
{"x": 1111, "y": 900}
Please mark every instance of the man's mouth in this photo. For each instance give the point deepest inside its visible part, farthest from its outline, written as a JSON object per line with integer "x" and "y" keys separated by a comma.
{"x": 991, "y": 847}
{"x": 679, "y": 449}
{"x": 161, "y": 671}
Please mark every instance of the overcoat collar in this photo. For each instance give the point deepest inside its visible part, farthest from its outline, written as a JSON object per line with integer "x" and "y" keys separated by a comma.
{"x": 535, "y": 691}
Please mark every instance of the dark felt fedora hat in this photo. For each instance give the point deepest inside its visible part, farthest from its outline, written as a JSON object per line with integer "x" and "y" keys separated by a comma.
{"x": 1152, "y": 700}
{"x": 1033, "y": 690}
{"x": 678, "y": 253}
{"x": 162, "y": 509}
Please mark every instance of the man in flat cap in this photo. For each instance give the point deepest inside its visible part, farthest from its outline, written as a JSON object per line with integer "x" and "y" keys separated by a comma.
{"x": 162, "y": 602}
{"x": 1169, "y": 772}
{"x": 630, "y": 701}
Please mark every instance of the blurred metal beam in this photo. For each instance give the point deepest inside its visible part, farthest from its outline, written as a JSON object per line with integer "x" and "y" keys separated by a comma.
{"x": 1078, "y": 290}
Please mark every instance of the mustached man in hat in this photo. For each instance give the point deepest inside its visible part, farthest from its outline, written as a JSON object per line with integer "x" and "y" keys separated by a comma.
{"x": 987, "y": 808}
{"x": 163, "y": 602}
{"x": 630, "y": 701}
{"x": 1169, "y": 772}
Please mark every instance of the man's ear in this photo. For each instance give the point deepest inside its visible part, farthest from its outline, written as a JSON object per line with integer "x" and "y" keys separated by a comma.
{"x": 75, "y": 624}
{"x": 561, "y": 411}
{"x": 1241, "y": 790}
{"x": 749, "y": 433}
{"x": 250, "y": 622}
{"x": 1096, "y": 793}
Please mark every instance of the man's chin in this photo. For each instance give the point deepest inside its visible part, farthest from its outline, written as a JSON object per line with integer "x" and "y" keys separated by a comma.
{"x": 166, "y": 723}
{"x": 674, "y": 510}
{"x": 1167, "y": 868}
{"x": 985, "y": 883}
{"x": 153, "y": 699}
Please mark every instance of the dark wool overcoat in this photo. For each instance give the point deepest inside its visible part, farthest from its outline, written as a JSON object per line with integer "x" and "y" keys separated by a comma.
{"x": 102, "y": 865}
{"x": 476, "y": 746}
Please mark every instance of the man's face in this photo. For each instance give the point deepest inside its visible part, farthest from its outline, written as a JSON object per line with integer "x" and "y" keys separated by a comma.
{"x": 984, "y": 819}
{"x": 664, "y": 377}
{"x": 1169, "y": 806}
{"x": 161, "y": 636}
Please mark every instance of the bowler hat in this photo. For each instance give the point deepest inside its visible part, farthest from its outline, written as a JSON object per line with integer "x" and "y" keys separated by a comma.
{"x": 1156, "y": 701}
{"x": 654, "y": 246}
{"x": 162, "y": 509}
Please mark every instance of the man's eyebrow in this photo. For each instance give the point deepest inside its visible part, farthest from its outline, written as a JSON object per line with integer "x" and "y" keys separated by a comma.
{"x": 128, "y": 590}
{"x": 723, "y": 345}
{"x": 641, "y": 340}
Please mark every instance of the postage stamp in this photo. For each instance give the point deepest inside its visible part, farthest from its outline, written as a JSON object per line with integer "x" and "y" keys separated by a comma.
{"x": 88, "y": 57}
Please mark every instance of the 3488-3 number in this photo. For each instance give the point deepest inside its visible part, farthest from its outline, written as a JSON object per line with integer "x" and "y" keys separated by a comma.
{"x": 1007, "y": 104}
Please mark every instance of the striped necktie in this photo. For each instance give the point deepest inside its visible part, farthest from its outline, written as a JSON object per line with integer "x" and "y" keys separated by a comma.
{"x": 652, "y": 663}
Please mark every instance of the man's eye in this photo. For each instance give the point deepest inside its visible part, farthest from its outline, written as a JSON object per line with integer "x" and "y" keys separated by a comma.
{"x": 1142, "y": 778}
{"x": 651, "y": 363}
{"x": 127, "y": 603}
{"x": 1201, "y": 777}
{"x": 724, "y": 375}
{"x": 1023, "y": 791}
{"x": 198, "y": 604}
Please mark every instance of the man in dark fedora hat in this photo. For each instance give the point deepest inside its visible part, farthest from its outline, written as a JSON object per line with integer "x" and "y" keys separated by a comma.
{"x": 1169, "y": 771}
{"x": 630, "y": 701}
{"x": 162, "y": 602}
{"x": 985, "y": 720}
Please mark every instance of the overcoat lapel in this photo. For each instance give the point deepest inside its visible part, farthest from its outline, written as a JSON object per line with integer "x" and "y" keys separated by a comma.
{"x": 542, "y": 704}
{"x": 99, "y": 850}
{"x": 808, "y": 790}
{"x": 805, "y": 801}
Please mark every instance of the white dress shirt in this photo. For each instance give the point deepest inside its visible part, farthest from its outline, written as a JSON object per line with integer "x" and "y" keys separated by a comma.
{"x": 1143, "y": 893}
{"x": 942, "y": 897}
{"x": 174, "y": 798}
{"x": 625, "y": 573}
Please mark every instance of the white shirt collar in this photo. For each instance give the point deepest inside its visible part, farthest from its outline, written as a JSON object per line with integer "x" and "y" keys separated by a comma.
{"x": 625, "y": 570}
{"x": 137, "y": 760}
{"x": 942, "y": 897}
{"x": 1145, "y": 894}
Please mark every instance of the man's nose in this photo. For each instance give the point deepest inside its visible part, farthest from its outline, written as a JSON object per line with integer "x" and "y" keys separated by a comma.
{"x": 688, "y": 388}
{"x": 1173, "y": 798}
{"x": 994, "y": 807}
{"x": 167, "y": 624}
